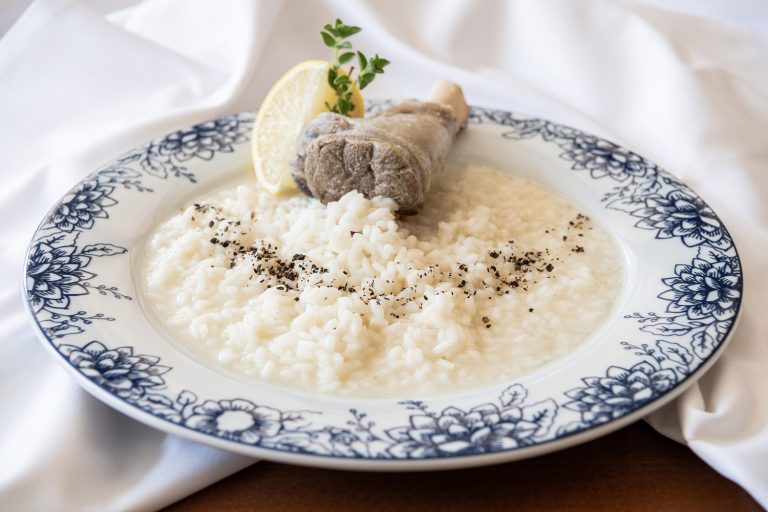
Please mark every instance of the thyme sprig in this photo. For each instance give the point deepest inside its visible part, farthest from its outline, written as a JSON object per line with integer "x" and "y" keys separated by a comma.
{"x": 336, "y": 37}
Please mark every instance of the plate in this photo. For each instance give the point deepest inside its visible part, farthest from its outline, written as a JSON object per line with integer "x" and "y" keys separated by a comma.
{"x": 673, "y": 319}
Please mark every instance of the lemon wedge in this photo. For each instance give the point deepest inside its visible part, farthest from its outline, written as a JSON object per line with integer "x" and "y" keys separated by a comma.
{"x": 295, "y": 99}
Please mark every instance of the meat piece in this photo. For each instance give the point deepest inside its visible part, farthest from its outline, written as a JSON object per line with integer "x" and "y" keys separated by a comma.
{"x": 398, "y": 153}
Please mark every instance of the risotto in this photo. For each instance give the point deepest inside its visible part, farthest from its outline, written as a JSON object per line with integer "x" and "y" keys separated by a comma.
{"x": 496, "y": 277}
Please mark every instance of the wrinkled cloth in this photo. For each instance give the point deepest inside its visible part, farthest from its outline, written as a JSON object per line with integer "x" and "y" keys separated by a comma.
{"x": 684, "y": 83}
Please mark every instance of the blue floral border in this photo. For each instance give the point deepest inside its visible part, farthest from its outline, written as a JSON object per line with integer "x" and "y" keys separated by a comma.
{"x": 702, "y": 298}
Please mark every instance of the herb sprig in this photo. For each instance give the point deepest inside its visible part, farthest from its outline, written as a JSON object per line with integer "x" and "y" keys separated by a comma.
{"x": 336, "y": 37}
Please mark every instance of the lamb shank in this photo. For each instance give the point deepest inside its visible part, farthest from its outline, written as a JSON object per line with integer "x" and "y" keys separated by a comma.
{"x": 398, "y": 153}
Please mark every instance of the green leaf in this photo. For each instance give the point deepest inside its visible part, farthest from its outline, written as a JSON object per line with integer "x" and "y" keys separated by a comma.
{"x": 331, "y": 76}
{"x": 343, "y": 106}
{"x": 348, "y": 31}
{"x": 379, "y": 64}
{"x": 332, "y": 30}
{"x": 346, "y": 57}
{"x": 342, "y": 79}
{"x": 344, "y": 46}
{"x": 362, "y": 60}
{"x": 364, "y": 80}
{"x": 328, "y": 39}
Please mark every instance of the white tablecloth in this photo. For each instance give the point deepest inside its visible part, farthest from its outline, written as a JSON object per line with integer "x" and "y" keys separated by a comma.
{"x": 684, "y": 83}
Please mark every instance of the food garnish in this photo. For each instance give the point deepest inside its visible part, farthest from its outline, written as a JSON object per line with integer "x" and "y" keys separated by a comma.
{"x": 342, "y": 82}
{"x": 295, "y": 99}
{"x": 306, "y": 90}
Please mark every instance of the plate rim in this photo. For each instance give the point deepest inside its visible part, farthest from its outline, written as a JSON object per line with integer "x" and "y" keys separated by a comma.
{"x": 383, "y": 465}
{"x": 395, "y": 464}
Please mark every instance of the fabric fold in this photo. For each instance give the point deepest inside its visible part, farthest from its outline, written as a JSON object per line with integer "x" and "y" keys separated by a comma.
{"x": 684, "y": 84}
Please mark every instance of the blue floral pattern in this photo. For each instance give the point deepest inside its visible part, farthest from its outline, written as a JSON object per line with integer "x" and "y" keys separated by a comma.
{"x": 708, "y": 287}
{"x": 702, "y": 299}
{"x": 485, "y": 428}
{"x": 681, "y": 214}
{"x": 55, "y": 271}
{"x": 482, "y": 429}
{"x": 703, "y": 296}
{"x": 119, "y": 371}
{"x": 201, "y": 141}
{"x": 81, "y": 207}
{"x": 603, "y": 159}
{"x": 618, "y": 393}
{"x": 56, "y": 263}
{"x": 239, "y": 420}
{"x": 167, "y": 157}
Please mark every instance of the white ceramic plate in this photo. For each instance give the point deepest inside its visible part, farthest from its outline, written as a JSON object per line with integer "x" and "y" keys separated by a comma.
{"x": 82, "y": 287}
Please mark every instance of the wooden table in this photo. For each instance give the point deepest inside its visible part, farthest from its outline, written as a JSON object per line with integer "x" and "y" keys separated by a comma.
{"x": 632, "y": 469}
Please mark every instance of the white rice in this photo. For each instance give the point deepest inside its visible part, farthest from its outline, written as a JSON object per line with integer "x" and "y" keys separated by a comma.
{"x": 384, "y": 312}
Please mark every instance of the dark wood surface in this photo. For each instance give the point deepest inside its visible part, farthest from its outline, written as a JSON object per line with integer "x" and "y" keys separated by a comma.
{"x": 632, "y": 469}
